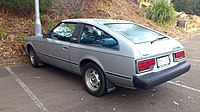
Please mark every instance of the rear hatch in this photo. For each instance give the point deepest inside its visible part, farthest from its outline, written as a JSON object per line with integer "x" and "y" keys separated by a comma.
{"x": 159, "y": 47}
{"x": 157, "y": 50}
{"x": 158, "y": 55}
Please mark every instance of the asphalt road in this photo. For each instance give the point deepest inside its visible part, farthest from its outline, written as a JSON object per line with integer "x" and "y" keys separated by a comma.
{"x": 48, "y": 89}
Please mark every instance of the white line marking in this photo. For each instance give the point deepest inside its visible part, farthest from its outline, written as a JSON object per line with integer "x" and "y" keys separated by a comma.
{"x": 194, "y": 60}
{"x": 184, "y": 86}
{"x": 27, "y": 90}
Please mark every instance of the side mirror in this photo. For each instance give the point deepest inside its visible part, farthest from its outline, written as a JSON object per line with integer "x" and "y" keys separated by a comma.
{"x": 45, "y": 36}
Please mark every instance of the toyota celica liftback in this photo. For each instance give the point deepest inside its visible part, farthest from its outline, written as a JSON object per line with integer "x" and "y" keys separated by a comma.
{"x": 107, "y": 53}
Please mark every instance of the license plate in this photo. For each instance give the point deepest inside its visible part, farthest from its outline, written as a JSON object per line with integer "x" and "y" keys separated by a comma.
{"x": 163, "y": 61}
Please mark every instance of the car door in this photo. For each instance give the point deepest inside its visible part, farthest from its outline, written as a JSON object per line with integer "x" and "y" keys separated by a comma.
{"x": 54, "y": 49}
{"x": 106, "y": 50}
{"x": 94, "y": 44}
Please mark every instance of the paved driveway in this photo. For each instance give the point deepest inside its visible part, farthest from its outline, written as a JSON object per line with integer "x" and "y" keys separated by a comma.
{"x": 48, "y": 89}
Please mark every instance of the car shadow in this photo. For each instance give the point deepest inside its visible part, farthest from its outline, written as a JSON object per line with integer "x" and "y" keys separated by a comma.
{"x": 59, "y": 78}
{"x": 119, "y": 92}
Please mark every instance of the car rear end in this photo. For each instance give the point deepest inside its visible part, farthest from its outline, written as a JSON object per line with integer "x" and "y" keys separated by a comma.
{"x": 161, "y": 57}
{"x": 156, "y": 70}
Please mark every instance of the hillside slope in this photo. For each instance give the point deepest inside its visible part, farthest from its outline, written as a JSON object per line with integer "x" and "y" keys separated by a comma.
{"x": 114, "y": 9}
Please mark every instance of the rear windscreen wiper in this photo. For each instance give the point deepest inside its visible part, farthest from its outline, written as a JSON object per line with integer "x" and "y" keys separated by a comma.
{"x": 158, "y": 39}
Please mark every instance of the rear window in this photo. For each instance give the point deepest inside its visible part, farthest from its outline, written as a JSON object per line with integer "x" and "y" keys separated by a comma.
{"x": 135, "y": 33}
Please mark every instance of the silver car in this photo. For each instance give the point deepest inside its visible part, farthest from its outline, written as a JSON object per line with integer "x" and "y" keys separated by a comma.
{"x": 107, "y": 53}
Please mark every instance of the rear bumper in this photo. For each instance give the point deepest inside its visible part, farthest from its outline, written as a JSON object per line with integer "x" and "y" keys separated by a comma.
{"x": 153, "y": 79}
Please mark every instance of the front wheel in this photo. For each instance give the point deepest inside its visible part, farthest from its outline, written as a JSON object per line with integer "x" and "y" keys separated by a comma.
{"x": 94, "y": 79}
{"x": 33, "y": 58}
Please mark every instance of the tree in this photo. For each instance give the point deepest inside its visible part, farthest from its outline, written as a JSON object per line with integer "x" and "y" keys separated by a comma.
{"x": 188, "y": 6}
{"x": 24, "y": 5}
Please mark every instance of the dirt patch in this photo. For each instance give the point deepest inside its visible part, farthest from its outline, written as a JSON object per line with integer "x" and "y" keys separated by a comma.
{"x": 16, "y": 29}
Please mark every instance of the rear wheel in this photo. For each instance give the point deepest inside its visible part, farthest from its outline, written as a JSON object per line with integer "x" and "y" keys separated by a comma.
{"x": 33, "y": 58}
{"x": 94, "y": 79}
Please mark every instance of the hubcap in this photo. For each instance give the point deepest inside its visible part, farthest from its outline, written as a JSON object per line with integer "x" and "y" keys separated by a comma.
{"x": 32, "y": 57}
{"x": 92, "y": 79}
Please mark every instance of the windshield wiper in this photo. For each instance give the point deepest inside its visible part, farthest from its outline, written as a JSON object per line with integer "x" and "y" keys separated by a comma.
{"x": 158, "y": 39}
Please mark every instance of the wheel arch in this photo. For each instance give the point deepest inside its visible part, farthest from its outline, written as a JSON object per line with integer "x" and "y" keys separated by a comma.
{"x": 28, "y": 46}
{"x": 89, "y": 60}
{"x": 110, "y": 86}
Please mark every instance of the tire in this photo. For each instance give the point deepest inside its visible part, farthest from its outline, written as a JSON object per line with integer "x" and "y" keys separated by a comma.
{"x": 33, "y": 58}
{"x": 94, "y": 79}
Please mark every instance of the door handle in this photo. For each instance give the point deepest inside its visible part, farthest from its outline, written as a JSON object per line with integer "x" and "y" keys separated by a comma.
{"x": 65, "y": 47}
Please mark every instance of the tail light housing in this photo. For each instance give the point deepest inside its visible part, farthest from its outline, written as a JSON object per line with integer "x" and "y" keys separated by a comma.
{"x": 146, "y": 65}
{"x": 179, "y": 56}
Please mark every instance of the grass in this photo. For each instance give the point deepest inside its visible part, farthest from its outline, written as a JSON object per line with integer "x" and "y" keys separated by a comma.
{"x": 47, "y": 22}
{"x": 20, "y": 37}
{"x": 3, "y": 32}
{"x": 77, "y": 14}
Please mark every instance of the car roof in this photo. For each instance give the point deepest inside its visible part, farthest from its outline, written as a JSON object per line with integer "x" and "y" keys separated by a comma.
{"x": 99, "y": 21}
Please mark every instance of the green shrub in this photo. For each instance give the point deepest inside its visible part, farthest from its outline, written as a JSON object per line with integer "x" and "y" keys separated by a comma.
{"x": 77, "y": 14}
{"x": 45, "y": 4}
{"x": 25, "y": 5}
{"x": 47, "y": 22}
{"x": 162, "y": 12}
{"x": 45, "y": 19}
{"x": 20, "y": 37}
{"x": 30, "y": 24}
{"x": 2, "y": 32}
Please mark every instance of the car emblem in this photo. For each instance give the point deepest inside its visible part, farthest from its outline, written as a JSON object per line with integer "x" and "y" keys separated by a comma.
{"x": 175, "y": 48}
{"x": 145, "y": 54}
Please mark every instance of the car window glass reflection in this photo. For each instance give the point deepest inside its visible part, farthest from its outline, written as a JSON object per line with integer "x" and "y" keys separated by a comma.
{"x": 96, "y": 37}
{"x": 63, "y": 31}
{"x": 135, "y": 33}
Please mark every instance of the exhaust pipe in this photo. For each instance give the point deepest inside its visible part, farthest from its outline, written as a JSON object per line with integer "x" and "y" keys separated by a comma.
{"x": 38, "y": 26}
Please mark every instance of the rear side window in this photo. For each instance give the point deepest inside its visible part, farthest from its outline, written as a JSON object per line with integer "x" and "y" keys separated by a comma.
{"x": 95, "y": 37}
{"x": 63, "y": 31}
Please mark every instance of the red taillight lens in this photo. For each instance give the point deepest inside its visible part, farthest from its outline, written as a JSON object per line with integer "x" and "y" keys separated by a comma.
{"x": 179, "y": 55}
{"x": 146, "y": 64}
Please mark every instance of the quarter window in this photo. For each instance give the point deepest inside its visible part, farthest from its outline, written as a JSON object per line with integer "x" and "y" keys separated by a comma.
{"x": 63, "y": 31}
{"x": 96, "y": 37}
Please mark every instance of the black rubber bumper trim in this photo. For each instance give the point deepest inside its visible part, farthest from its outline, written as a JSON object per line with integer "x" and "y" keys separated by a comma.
{"x": 153, "y": 79}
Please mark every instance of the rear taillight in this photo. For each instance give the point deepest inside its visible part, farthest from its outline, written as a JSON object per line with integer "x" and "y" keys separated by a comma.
{"x": 179, "y": 56}
{"x": 146, "y": 65}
